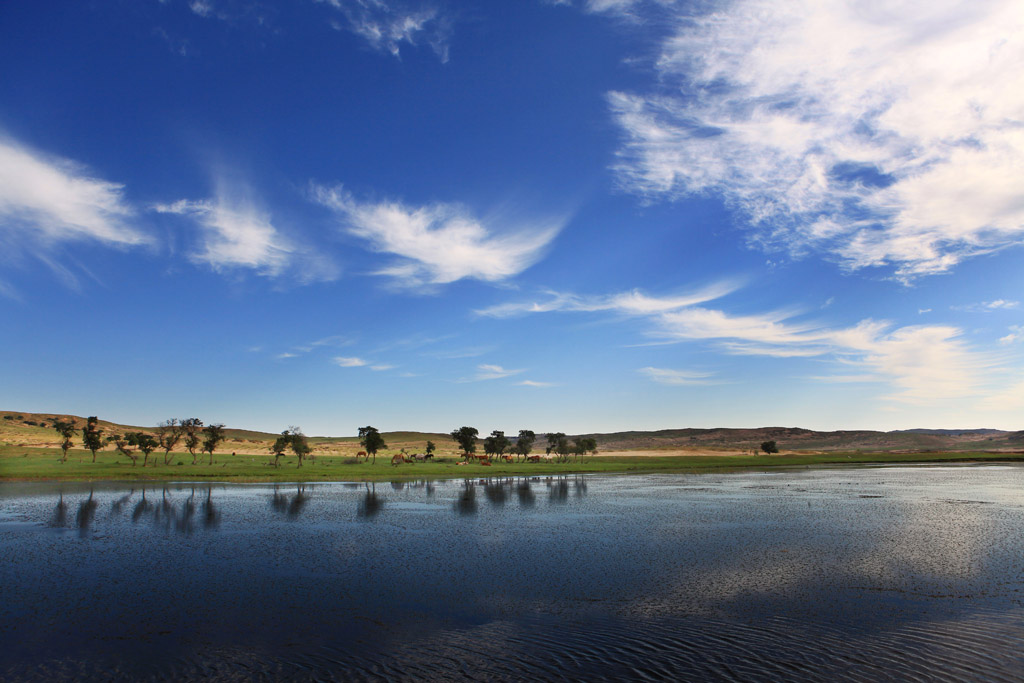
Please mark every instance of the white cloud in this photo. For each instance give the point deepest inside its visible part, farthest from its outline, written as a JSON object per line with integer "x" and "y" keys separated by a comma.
{"x": 381, "y": 367}
{"x": 676, "y": 377}
{"x": 921, "y": 364}
{"x": 46, "y": 200}
{"x": 286, "y": 355}
{"x": 1016, "y": 334}
{"x": 532, "y": 383}
{"x": 987, "y": 306}
{"x": 238, "y": 233}
{"x": 201, "y": 7}
{"x": 350, "y": 362}
{"x": 439, "y": 243}
{"x": 883, "y": 134}
{"x": 385, "y": 25}
{"x": 487, "y": 372}
{"x": 627, "y": 303}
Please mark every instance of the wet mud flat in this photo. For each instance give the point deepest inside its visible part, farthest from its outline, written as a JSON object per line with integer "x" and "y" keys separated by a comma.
{"x": 884, "y": 573}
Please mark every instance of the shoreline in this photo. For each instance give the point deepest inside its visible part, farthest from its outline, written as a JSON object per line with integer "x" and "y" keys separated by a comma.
{"x": 244, "y": 469}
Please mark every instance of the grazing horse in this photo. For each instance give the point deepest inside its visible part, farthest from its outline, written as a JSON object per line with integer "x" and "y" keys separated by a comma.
{"x": 533, "y": 458}
{"x": 361, "y": 454}
{"x": 398, "y": 459}
{"x": 507, "y": 458}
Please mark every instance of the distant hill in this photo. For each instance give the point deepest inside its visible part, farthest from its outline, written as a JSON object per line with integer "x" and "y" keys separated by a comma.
{"x": 36, "y": 429}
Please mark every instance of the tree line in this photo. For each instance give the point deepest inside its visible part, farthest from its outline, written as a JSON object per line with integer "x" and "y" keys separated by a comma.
{"x": 497, "y": 444}
{"x": 190, "y": 432}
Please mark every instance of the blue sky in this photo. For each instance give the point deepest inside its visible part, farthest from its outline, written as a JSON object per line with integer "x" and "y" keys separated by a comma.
{"x": 577, "y": 216}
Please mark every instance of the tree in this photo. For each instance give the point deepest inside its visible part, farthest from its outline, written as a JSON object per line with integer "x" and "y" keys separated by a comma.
{"x": 192, "y": 425}
{"x": 769, "y": 447}
{"x": 584, "y": 444}
{"x": 496, "y": 443}
{"x": 66, "y": 429}
{"x": 524, "y": 444}
{"x": 299, "y": 443}
{"x": 121, "y": 443}
{"x": 280, "y": 446}
{"x": 92, "y": 435}
{"x": 563, "y": 448}
{"x": 214, "y": 435}
{"x": 553, "y": 440}
{"x": 466, "y": 438}
{"x": 144, "y": 442}
{"x": 168, "y": 434}
{"x": 431, "y": 448}
{"x": 371, "y": 441}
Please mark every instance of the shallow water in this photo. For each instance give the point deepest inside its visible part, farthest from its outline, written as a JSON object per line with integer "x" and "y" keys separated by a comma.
{"x": 857, "y": 574}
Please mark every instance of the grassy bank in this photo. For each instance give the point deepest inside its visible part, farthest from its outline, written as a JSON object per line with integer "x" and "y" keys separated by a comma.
{"x": 41, "y": 464}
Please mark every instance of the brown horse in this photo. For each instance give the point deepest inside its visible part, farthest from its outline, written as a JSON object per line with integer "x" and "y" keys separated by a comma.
{"x": 398, "y": 459}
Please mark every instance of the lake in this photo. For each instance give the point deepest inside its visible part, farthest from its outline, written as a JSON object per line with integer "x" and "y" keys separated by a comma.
{"x": 873, "y": 573}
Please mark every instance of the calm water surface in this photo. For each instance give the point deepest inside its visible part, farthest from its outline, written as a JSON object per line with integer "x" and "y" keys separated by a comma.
{"x": 858, "y": 574}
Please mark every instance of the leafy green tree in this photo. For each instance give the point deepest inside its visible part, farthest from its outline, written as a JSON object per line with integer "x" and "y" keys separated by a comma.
{"x": 214, "y": 435}
{"x": 554, "y": 439}
{"x": 92, "y": 435}
{"x": 563, "y": 448}
{"x": 280, "y": 446}
{"x": 524, "y": 444}
{"x": 431, "y": 448}
{"x": 769, "y": 447}
{"x": 144, "y": 442}
{"x": 299, "y": 443}
{"x": 371, "y": 441}
{"x": 584, "y": 444}
{"x": 66, "y": 429}
{"x": 192, "y": 425}
{"x": 120, "y": 442}
{"x": 466, "y": 438}
{"x": 496, "y": 444}
{"x": 168, "y": 434}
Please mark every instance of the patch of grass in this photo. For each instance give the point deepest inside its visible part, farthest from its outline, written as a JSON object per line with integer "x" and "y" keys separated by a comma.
{"x": 24, "y": 463}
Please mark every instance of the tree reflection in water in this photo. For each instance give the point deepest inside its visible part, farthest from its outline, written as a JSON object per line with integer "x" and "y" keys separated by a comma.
{"x": 86, "y": 513}
{"x": 60, "y": 512}
{"x": 465, "y": 501}
{"x": 524, "y": 491}
{"x": 371, "y": 504}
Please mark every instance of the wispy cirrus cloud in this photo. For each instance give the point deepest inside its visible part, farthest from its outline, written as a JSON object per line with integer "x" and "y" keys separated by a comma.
{"x": 987, "y": 306}
{"x": 349, "y": 361}
{"x": 921, "y": 364}
{"x": 486, "y": 371}
{"x": 633, "y": 302}
{"x": 440, "y": 243}
{"x": 883, "y": 135}
{"x": 237, "y": 233}
{"x": 535, "y": 384}
{"x": 46, "y": 200}
{"x": 387, "y": 24}
{"x": 677, "y": 377}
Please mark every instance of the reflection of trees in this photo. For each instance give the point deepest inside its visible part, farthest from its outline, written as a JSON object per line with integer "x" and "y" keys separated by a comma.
{"x": 558, "y": 489}
{"x": 86, "y": 513}
{"x": 142, "y": 507}
{"x": 60, "y": 512}
{"x": 171, "y": 516}
{"x": 116, "y": 506}
{"x": 495, "y": 491}
{"x": 211, "y": 515}
{"x": 524, "y": 491}
{"x": 465, "y": 502}
{"x": 398, "y": 485}
{"x": 289, "y": 505}
{"x": 371, "y": 504}
{"x": 580, "y": 486}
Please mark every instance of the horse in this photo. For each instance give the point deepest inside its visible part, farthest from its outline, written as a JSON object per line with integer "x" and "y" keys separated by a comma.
{"x": 533, "y": 458}
{"x": 361, "y": 454}
{"x": 507, "y": 458}
{"x": 398, "y": 459}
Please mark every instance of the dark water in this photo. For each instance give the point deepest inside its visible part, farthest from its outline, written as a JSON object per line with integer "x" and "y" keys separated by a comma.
{"x": 912, "y": 573}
